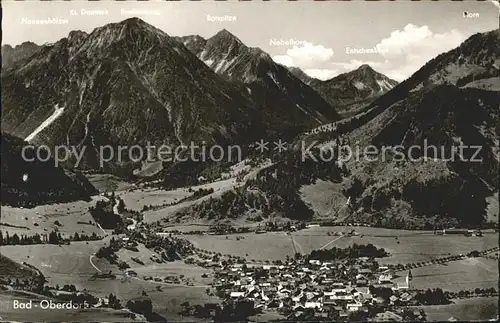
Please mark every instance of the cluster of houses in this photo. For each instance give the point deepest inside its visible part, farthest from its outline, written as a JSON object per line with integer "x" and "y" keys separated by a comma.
{"x": 340, "y": 287}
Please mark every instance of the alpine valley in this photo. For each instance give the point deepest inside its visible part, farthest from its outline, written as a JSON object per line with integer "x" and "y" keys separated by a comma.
{"x": 129, "y": 83}
{"x": 303, "y": 224}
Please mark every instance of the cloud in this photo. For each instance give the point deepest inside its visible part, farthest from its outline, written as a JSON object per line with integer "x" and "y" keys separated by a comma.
{"x": 401, "y": 54}
{"x": 407, "y": 50}
{"x": 284, "y": 60}
{"x": 321, "y": 74}
{"x": 417, "y": 41}
{"x": 307, "y": 55}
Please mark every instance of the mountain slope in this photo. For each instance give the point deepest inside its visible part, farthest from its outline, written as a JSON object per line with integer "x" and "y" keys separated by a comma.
{"x": 399, "y": 186}
{"x": 194, "y": 43}
{"x": 301, "y": 75}
{"x": 44, "y": 183}
{"x": 125, "y": 83}
{"x": 435, "y": 181}
{"x": 13, "y": 55}
{"x": 11, "y": 270}
{"x": 435, "y": 107}
{"x": 476, "y": 59}
{"x": 279, "y": 94}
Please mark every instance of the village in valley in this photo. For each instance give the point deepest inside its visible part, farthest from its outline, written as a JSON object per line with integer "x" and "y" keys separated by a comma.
{"x": 318, "y": 290}
{"x": 330, "y": 281}
{"x": 339, "y": 284}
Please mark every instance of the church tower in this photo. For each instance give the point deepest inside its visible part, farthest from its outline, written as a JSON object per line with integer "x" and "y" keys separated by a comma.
{"x": 408, "y": 278}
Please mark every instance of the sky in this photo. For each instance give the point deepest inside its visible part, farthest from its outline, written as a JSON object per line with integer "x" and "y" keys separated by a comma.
{"x": 407, "y": 34}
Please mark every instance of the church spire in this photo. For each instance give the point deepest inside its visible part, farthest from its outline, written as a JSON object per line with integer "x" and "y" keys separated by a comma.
{"x": 408, "y": 279}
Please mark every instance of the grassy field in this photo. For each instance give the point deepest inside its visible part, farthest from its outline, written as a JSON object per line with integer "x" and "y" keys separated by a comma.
{"x": 137, "y": 199}
{"x": 492, "y": 208}
{"x": 324, "y": 197}
{"x": 66, "y": 264}
{"x": 107, "y": 182}
{"x": 413, "y": 246}
{"x": 269, "y": 246}
{"x": 466, "y": 274}
{"x": 74, "y": 264}
{"x": 473, "y": 309}
{"x": 151, "y": 268}
{"x": 71, "y": 216}
{"x": 151, "y": 216}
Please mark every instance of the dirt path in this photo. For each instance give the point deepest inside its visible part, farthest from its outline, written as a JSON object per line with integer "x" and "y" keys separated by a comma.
{"x": 96, "y": 268}
{"x": 329, "y": 243}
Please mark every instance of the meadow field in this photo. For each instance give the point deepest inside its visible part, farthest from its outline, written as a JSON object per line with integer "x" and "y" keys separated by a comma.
{"x": 139, "y": 199}
{"x": 65, "y": 264}
{"x": 154, "y": 269}
{"x": 492, "y": 208}
{"x": 268, "y": 246}
{"x": 108, "y": 182}
{"x": 404, "y": 246}
{"x": 465, "y": 310}
{"x": 466, "y": 274}
{"x": 74, "y": 217}
{"x": 75, "y": 264}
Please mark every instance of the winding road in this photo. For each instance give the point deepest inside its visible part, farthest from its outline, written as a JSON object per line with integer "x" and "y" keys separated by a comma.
{"x": 93, "y": 265}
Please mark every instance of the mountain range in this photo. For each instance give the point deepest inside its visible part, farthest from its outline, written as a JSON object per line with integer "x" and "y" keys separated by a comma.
{"x": 273, "y": 88}
{"x": 451, "y": 101}
{"x": 129, "y": 83}
{"x": 124, "y": 83}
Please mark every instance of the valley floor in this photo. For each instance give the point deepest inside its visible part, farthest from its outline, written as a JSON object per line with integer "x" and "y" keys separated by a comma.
{"x": 75, "y": 264}
{"x": 473, "y": 309}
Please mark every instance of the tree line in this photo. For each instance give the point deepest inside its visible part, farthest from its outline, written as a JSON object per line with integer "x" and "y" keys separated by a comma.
{"x": 52, "y": 238}
{"x": 354, "y": 251}
{"x": 15, "y": 239}
{"x": 103, "y": 214}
